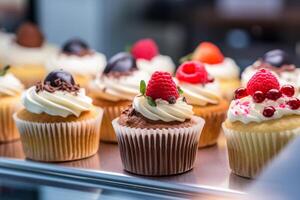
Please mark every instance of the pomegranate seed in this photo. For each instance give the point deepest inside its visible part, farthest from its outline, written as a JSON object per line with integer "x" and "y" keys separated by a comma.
{"x": 273, "y": 94}
{"x": 288, "y": 90}
{"x": 258, "y": 97}
{"x": 294, "y": 103}
{"x": 269, "y": 111}
{"x": 240, "y": 93}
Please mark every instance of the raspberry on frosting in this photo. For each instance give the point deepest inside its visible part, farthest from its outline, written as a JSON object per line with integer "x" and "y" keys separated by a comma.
{"x": 209, "y": 53}
{"x": 192, "y": 72}
{"x": 162, "y": 86}
{"x": 145, "y": 49}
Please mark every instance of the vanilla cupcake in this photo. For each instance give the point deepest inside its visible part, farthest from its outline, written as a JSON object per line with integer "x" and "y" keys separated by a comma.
{"x": 148, "y": 58}
{"x": 27, "y": 54}
{"x": 158, "y": 135}
{"x": 10, "y": 91}
{"x": 115, "y": 90}
{"x": 77, "y": 58}
{"x": 262, "y": 119}
{"x": 59, "y": 122}
{"x": 224, "y": 69}
{"x": 203, "y": 92}
{"x": 279, "y": 63}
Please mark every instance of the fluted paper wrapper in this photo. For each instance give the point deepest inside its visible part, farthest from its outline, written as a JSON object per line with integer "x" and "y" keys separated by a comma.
{"x": 64, "y": 141}
{"x": 250, "y": 152}
{"x": 158, "y": 152}
{"x": 8, "y": 129}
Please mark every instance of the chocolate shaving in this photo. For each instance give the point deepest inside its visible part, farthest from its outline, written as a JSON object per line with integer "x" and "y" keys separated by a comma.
{"x": 60, "y": 86}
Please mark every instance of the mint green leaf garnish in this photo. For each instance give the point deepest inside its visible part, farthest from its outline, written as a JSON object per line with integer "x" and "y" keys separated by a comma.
{"x": 150, "y": 101}
{"x": 4, "y": 70}
{"x": 180, "y": 91}
{"x": 186, "y": 58}
{"x": 142, "y": 87}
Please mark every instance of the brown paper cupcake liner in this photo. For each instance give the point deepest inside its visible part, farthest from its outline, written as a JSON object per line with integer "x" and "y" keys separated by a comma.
{"x": 158, "y": 152}
{"x": 64, "y": 141}
{"x": 8, "y": 129}
{"x": 250, "y": 152}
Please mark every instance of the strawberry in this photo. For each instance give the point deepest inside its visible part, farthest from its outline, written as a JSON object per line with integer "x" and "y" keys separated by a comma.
{"x": 209, "y": 53}
{"x": 145, "y": 49}
{"x": 192, "y": 72}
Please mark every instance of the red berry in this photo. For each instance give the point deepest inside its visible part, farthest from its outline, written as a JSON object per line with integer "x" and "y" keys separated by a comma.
{"x": 294, "y": 103}
{"x": 145, "y": 49}
{"x": 273, "y": 94}
{"x": 240, "y": 93}
{"x": 162, "y": 86}
{"x": 209, "y": 53}
{"x": 263, "y": 80}
{"x": 192, "y": 72}
{"x": 258, "y": 97}
{"x": 269, "y": 111}
{"x": 288, "y": 90}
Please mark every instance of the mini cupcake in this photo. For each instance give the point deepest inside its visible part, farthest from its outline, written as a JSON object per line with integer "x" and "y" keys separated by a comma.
{"x": 148, "y": 58}
{"x": 77, "y": 58}
{"x": 10, "y": 91}
{"x": 203, "y": 92}
{"x": 27, "y": 54}
{"x": 261, "y": 120}
{"x": 59, "y": 122}
{"x": 158, "y": 135}
{"x": 115, "y": 89}
{"x": 224, "y": 69}
{"x": 279, "y": 63}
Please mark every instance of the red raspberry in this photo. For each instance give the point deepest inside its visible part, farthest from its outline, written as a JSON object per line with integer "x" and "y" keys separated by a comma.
{"x": 209, "y": 53}
{"x": 288, "y": 90}
{"x": 162, "y": 86}
{"x": 240, "y": 93}
{"x": 263, "y": 80}
{"x": 145, "y": 49}
{"x": 192, "y": 72}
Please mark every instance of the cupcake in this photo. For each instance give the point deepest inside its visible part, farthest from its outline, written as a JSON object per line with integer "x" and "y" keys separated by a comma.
{"x": 59, "y": 122}
{"x": 79, "y": 59}
{"x": 158, "y": 135}
{"x": 224, "y": 69}
{"x": 203, "y": 92}
{"x": 279, "y": 63}
{"x": 261, "y": 120}
{"x": 148, "y": 58}
{"x": 27, "y": 54}
{"x": 10, "y": 92}
{"x": 115, "y": 89}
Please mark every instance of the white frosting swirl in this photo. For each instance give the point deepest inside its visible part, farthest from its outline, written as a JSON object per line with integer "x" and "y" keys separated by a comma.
{"x": 246, "y": 110}
{"x": 59, "y": 103}
{"x": 201, "y": 94}
{"x": 118, "y": 88}
{"x": 10, "y": 85}
{"x": 158, "y": 63}
{"x": 180, "y": 111}
{"x": 227, "y": 69}
{"x": 17, "y": 55}
{"x": 82, "y": 65}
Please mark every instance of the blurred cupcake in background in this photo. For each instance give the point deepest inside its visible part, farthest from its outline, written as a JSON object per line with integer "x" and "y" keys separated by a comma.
{"x": 149, "y": 59}
{"x": 27, "y": 54}
{"x": 224, "y": 69}
{"x": 202, "y": 91}
{"x": 79, "y": 59}
{"x": 115, "y": 89}
{"x": 10, "y": 93}
{"x": 5, "y": 40}
{"x": 279, "y": 63}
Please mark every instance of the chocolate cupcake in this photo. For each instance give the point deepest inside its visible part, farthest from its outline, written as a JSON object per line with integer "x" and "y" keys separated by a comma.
{"x": 158, "y": 135}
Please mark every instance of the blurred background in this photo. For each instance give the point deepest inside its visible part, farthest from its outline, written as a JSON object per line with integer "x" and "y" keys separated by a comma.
{"x": 244, "y": 30}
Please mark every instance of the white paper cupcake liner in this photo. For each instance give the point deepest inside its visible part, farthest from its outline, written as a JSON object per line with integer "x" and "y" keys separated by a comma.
{"x": 158, "y": 152}
{"x": 63, "y": 141}
{"x": 250, "y": 152}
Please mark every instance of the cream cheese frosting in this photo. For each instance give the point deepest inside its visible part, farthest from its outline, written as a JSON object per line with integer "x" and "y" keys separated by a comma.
{"x": 10, "y": 85}
{"x": 90, "y": 64}
{"x": 158, "y": 63}
{"x": 112, "y": 88}
{"x": 246, "y": 110}
{"x": 58, "y": 103}
{"x": 227, "y": 69}
{"x": 179, "y": 111}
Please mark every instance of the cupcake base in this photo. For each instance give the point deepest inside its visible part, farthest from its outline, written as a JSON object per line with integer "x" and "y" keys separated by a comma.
{"x": 60, "y": 141}
{"x": 158, "y": 152}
